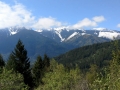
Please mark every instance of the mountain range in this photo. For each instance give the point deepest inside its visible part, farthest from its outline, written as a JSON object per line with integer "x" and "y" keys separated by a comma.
{"x": 54, "y": 41}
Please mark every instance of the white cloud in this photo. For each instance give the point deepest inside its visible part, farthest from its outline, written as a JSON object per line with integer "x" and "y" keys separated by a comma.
{"x": 86, "y": 22}
{"x": 118, "y": 25}
{"x": 18, "y": 15}
{"x": 15, "y": 15}
{"x": 46, "y": 23}
{"x": 98, "y": 18}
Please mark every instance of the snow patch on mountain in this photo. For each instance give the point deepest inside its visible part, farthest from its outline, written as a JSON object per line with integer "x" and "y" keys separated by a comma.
{"x": 100, "y": 32}
{"x": 58, "y": 32}
{"x": 13, "y": 31}
{"x": 67, "y": 29}
{"x": 38, "y": 30}
{"x": 83, "y": 34}
{"x": 82, "y": 30}
{"x": 109, "y": 35}
{"x": 99, "y": 29}
{"x": 59, "y": 29}
{"x": 72, "y": 35}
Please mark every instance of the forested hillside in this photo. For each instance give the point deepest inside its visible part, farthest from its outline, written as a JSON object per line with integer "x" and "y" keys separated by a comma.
{"x": 98, "y": 54}
{"x": 46, "y": 74}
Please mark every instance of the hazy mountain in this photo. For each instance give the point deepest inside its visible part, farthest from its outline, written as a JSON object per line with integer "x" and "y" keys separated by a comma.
{"x": 73, "y": 38}
{"x": 35, "y": 43}
{"x": 65, "y": 34}
{"x": 54, "y": 41}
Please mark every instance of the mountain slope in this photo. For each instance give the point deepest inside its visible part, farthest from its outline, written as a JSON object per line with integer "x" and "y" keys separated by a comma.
{"x": 54, "y": 41}
{"x": 79, "y": 41}
{"x": 99, "y": 54}
{"x": 34, "y": 42}
{"x": 74, "y": 38}
{"x": 64, "y": 34}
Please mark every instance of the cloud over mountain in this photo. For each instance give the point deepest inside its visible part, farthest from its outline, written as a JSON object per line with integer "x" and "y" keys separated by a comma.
{"x": 15, "y": 15}
{"x": 46, "y": 23}
{"x": 18, "y": 15}
{"x": 86, "y": 22}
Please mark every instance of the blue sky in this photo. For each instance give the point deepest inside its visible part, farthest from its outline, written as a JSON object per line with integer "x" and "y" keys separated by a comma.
{"x": 44, "y": 14}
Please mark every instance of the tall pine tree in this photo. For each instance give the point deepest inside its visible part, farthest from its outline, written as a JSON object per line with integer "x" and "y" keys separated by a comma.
{"x": 38, "y": 71}
{"x": 2, "y": 63}
{"x": 21, "y": 62}
{"x": 46, "y": 62}
{"x": 11, "y": 63}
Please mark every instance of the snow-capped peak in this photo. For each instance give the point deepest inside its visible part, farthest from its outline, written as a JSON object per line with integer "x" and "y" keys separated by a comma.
{"x": 100, "y": 29}
{"x": 14, "y": 30}
{"x": 39, "y": 30}
{"x": 109, "y": 35}
{"x": 65, "y": 33}
{"x": 59, "y": 29}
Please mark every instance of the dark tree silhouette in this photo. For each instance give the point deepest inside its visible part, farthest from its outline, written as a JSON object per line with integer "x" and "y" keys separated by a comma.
{"x": 38, "y": 70}
{"x": 21, "y": 63}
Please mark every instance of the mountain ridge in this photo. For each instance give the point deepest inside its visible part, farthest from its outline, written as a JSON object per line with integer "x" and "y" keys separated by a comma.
{"x": 61, "y": 33}
{"x": 52, "y": 42}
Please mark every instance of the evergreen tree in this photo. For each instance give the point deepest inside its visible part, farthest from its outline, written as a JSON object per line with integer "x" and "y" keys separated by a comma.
{"x": 108, "y": 79}
{"x": 11, "y": 63}
{"x": 61, "y": 79}
{"x": 92, "y": 73}
{"x": 2, "y": 63}
{"x": 22, "y": 63}
{"x": 38, "y": 70}
{"x": 46, "y": 62}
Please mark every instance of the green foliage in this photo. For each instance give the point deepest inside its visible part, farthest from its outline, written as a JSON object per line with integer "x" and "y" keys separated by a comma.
{"x": 46, "y": 62}
{"x": 12, "y": 81}
{"x": 20, "y": 55}
{"x": 92, "y": 73}
{"x": 19, "y": 62}
{"x": 38, "y": 71}
{"x": 11, "y": 63}
{"x": 51, "y": 75}
{"x": 109, "y": 78}
{"x": 108, "y": 81}
{"x": 59, "y": 78}
{"x": 99, "y": 54}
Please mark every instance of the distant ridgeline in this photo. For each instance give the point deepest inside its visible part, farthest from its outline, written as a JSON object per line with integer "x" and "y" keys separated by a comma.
{"x": 99, "y": 54}
{"x": 53, "y": 42}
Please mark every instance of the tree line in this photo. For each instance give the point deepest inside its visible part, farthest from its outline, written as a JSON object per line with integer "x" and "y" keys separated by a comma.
{"x": 48, "y": 74}
{"x": 19, "y": 63}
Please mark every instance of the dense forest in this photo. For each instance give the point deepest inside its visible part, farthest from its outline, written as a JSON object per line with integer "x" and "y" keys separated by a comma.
{"x": 102, "y": 72}
{"x": 99, "y": 54}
